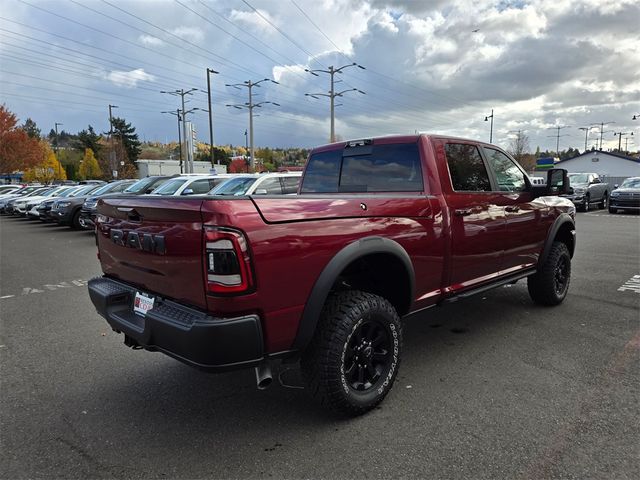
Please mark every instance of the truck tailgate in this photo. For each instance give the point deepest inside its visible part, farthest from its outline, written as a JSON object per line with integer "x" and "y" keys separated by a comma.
{"x": 154, "y": 244}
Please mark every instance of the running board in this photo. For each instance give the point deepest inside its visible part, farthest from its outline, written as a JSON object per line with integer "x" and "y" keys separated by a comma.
{"x": 490, "y": 286}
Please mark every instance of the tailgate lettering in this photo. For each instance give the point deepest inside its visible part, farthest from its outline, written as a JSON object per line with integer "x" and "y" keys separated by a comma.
{"x": 150, "y": 243}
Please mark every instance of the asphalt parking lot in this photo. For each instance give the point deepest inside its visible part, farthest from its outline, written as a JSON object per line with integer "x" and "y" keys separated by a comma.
{"x": 490, "y": 387}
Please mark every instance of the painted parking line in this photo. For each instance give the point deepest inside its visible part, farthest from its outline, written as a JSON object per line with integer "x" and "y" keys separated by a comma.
{"x": 610, "y": 215}
{"x": 48, "y": 287}
{"x": 631, "y": 285}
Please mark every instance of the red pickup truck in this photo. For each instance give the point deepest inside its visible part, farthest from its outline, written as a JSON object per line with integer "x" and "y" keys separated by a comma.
{"x": 380, "y": 228}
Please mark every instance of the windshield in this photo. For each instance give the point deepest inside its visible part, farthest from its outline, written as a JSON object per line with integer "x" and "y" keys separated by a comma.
{"x": 170, "y": 187}
{"x": 631, "y": 183}
{"x": 141, "y": 185}
{"x": 234, "y": 186}
{"x": 68, "y": 193}
{"x": 578, "y": 178}
{"x": 106, "y": 188}
{"x": 85, "y": 190}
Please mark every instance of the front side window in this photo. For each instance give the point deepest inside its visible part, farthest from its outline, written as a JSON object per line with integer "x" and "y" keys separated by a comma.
{"x": 467, "y": 170}
{"x": 382, "y": 168}
{"x": 510, "y": 178}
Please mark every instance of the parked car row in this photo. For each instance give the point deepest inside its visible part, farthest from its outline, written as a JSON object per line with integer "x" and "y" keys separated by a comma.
{"x": 76, "y": 205}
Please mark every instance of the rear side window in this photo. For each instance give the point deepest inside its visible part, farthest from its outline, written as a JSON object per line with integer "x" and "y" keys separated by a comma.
{"x": 467, "y": 170}
{"x": 200, "y": 186}
{"x": 290, "y": 184}
{"x": 381, "y": 168}
{"x": 269, "y": 186}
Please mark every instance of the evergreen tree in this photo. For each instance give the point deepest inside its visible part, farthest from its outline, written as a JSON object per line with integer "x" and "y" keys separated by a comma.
{"x": 31, "y": 128}
{"x": 126, "y": 133}
{"x": 88, "y": 139}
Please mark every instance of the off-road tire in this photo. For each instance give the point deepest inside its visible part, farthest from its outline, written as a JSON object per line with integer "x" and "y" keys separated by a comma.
{"x": 550, "y": 284}
{"x": 328, "y": 363}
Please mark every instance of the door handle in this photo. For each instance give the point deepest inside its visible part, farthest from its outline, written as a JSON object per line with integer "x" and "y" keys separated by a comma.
{"x": 463, "y": 212}
{"x": 512, "y": 208}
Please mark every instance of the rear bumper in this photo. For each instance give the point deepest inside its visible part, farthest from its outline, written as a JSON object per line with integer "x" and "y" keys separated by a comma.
{"x": 186, "y": 334}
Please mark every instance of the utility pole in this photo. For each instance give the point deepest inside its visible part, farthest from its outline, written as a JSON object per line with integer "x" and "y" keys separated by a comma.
{"x": 486, "y": 119}
{"x": 250, "y": 106}
{"x": 179, "y": 116}
{"x": 620, "y": 135}
{"x": 181, "y": 93}
{"x": 332, "y": 93}
{"x": 246, "y": 149}
{"x": 112, "y": 153}
{"x": 586, "y": 135}
{"x": 558, "y": 136}
{"x": 56, "y": 149}
{"x": 209, "y": 71}
{"x": 602, "y": 132}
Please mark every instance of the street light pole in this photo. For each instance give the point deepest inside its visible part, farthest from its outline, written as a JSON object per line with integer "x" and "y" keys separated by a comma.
{"x": 209, "y": 71}
{"x": 332, "y": 93}
{"x": 177, "y": 114}
{"x": 112, "y": 153}
{"x": 56, "y": 149}
{"x": 486, "y": 119}
{"x": 250, "y": 106}
{"x": 586, "y": 135}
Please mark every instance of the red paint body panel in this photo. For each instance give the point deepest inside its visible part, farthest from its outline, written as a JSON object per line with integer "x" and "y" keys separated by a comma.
{"x": 292, "y": 239}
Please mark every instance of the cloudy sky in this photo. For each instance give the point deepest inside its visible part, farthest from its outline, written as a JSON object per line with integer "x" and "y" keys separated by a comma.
{"x": 430, "y": 65}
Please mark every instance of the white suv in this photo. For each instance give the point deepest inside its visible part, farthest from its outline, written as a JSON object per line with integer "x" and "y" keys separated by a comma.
{"x": 260, "y": 184}
{"x": 194, "y": 184}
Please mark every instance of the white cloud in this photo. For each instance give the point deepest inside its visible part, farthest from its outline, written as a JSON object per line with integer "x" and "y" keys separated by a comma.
{"x": 192, "y": 34}
{"x": 150, "y": 40}
{"x": 253, "y": 20}
{"x": 129, "y": 79}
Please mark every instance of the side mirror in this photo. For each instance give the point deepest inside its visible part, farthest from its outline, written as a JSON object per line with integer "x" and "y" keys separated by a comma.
{"x": 260, "y": 191}
{"x": 616, "y": 185}
{"x": 557, "y": 182}
{"x": 187, "y": 191}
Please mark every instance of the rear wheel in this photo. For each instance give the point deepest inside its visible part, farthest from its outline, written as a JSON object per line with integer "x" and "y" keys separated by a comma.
{"x": 353, "y": 359}
{"x": 605, "y": 201}
{"x": 549, "y": 286}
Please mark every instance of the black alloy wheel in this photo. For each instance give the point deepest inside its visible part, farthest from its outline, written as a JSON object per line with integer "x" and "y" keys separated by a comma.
{"x": 368, "y": 355}
{"x": 561, "y": 275}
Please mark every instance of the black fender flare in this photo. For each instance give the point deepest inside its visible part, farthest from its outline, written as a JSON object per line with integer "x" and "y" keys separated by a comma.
{"x": 563, "y": 219}
{"x": 322, "y": 287}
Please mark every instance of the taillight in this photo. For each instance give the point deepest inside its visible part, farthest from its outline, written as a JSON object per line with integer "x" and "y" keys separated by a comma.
{"x": 227, "y": 263}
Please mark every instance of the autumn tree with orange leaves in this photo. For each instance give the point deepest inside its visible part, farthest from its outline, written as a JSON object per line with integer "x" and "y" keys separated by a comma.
{"x": 18, "y": 151}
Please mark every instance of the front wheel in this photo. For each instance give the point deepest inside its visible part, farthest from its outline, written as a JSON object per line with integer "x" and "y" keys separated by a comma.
{"x": 585, "y": 208}
{"x": 353, "y": 359}
{"x": 75, "y": 221}
{"x": 550, "y": 284}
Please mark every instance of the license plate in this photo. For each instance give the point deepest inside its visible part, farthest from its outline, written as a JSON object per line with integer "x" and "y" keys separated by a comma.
{"x": 142, "y": 304}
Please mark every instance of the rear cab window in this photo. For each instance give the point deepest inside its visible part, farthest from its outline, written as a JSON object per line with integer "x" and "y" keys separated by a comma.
{"x": 467, "y": 170}
{"x": 392, "y": 167}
